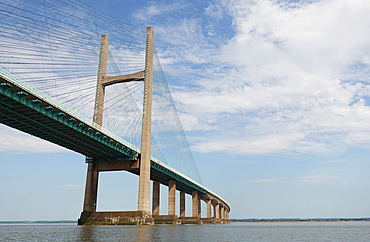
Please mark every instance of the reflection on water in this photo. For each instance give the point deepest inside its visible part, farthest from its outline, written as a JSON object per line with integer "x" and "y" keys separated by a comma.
{"x": 334, "y": 231}
{"x": 86, "y": 233}
{"x": 142, "y": 233}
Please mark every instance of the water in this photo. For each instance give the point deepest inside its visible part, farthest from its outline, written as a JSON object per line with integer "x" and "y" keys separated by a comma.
{"x": 287, "y": 231}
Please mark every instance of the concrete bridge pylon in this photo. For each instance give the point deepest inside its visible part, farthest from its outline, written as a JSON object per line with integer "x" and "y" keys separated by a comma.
{"x": 142, "y": 164}
{"x": 143, "y": 214}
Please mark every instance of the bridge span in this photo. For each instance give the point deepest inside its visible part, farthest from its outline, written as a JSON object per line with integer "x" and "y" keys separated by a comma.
{"x": 26, "y": 106}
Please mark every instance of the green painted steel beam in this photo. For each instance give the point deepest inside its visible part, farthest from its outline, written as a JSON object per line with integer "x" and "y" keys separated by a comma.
{"x": 77, "y": 131}
{"x": 177, "y": 177}
{"x": 54, "y": 136}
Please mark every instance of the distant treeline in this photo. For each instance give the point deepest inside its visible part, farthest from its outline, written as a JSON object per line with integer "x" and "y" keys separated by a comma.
{"x": 232, "y": 220}
{"x": 38, "y": 221}
{"x": 299, "y": 219}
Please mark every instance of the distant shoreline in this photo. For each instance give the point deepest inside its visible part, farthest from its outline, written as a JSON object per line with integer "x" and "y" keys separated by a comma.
{"x": 231, "y": 220}
{"x": 302, "y": 220}
{"x": 40, "y": 222}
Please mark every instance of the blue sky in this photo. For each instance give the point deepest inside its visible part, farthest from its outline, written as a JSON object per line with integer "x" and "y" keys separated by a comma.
{"x": 274, "y": 99}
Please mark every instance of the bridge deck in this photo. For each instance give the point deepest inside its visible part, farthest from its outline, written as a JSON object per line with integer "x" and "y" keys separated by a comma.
{"x": 24, "y": 110}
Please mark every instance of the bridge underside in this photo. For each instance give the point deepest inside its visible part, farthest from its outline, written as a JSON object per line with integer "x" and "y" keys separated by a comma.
{"x": 21, "y": 110}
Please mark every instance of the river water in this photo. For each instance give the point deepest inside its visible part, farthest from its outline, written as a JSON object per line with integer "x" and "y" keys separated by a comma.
{"x": 264, "y": 231}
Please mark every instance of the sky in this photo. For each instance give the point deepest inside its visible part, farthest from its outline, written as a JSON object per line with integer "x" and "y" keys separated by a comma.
{"x": 273, "y": 96}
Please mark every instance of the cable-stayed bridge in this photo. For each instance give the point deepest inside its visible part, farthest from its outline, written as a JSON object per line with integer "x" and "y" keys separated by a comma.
{"x": 81, "y": 79}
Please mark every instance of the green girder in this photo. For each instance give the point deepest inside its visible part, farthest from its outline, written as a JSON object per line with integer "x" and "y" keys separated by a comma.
{"x": 45, "y": 109}
{"x": 176, "y": 177}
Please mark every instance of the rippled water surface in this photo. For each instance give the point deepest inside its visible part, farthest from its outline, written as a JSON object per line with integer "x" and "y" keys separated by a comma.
{"x": 315, "y": 231}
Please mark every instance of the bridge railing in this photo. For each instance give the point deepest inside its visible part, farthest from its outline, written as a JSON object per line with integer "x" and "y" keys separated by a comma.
{"x": 17, "y": 81}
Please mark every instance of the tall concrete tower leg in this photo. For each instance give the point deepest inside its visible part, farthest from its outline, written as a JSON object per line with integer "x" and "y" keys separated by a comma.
{"x": 144, "y": 181}
{"x": 91, "y": 189}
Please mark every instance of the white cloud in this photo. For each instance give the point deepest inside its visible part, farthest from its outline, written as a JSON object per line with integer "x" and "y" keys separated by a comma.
{"x": 249, "y": 145}
{"x": 291, "y": 79}
{"x": 157, "y": 9}
{"x": 192, "y": 123}
{"x": 335, "y": 161}
{"x": 318, "y": 179}
{"x": 214, "y": 11}
{"x": 13, "y": 141}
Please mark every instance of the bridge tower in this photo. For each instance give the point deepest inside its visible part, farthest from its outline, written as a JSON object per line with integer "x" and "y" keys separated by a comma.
{"x": 144, "y": 182}
{"x": 143, "y": 215}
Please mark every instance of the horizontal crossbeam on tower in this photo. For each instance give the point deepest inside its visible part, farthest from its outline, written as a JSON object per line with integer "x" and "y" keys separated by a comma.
{"x": 110, "y": 80}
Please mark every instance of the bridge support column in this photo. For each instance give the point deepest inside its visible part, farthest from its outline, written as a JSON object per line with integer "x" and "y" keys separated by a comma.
{"x": 195, "y": 203}
{"x": 144, "y": 181}
{"x": 209, "y": 209}
{"x": 222, "y": 213}
{"x": 199, "y": 208}
{"x": 91, "y": 188}
{"x": 182, "y": 204}
{"x": 156, "y": 195}
{"x": 172, "y": 198}
{"x": 217, "y": 210}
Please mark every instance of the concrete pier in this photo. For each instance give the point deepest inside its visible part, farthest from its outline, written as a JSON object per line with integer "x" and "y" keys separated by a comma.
{"x": 182, "y": 204}
{"x": 172, "y": 198}
{"x": 171, "y": 218}
{"x": 115, "y": 218}
{"x": 217, "y": 210}
{"x": 209, "y": 208}
{"x": 195, "y": 203}
{"x": 156, "y": 200}
{"x": 199, "y": 208}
